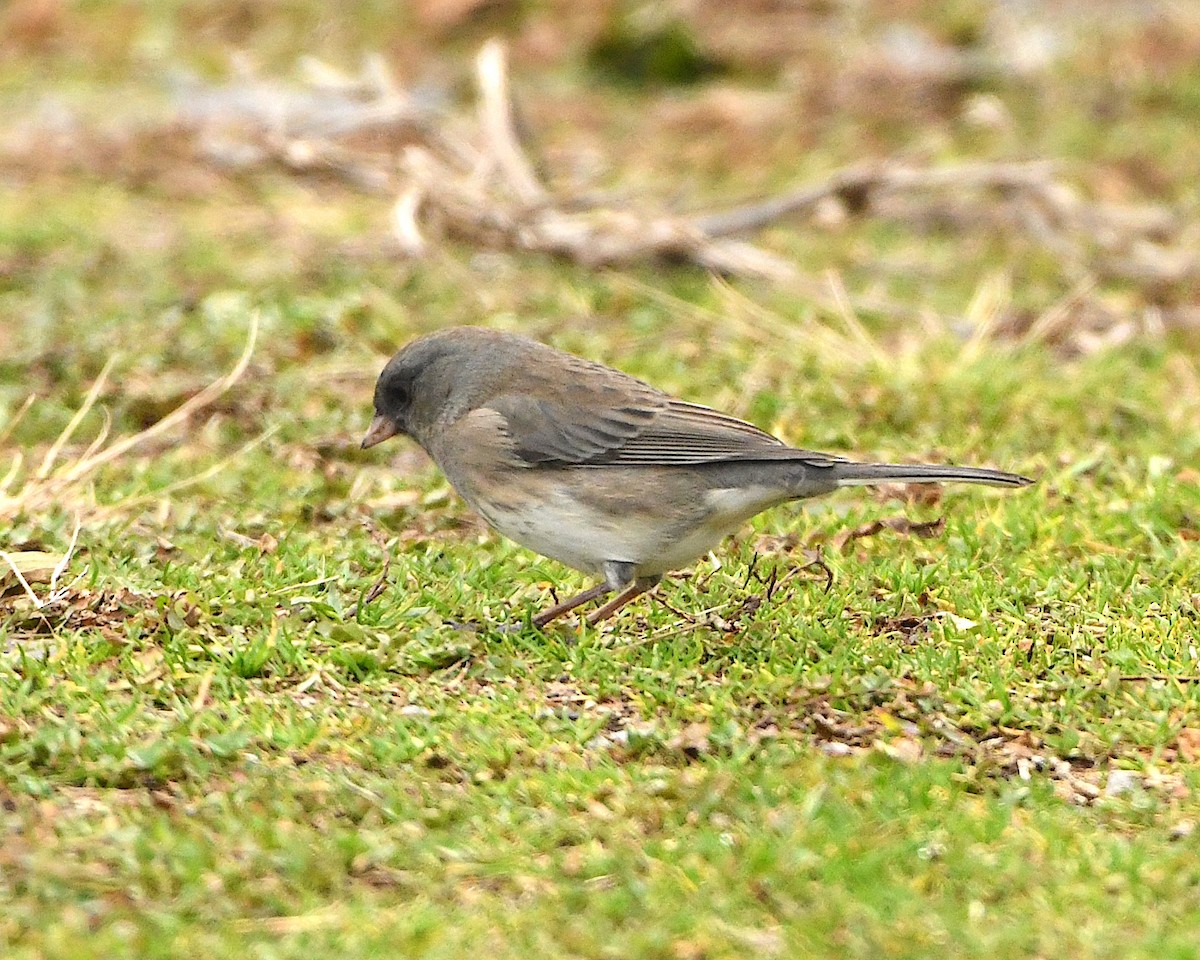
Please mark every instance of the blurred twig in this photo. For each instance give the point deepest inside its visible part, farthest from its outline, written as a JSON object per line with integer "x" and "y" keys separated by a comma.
{"x": 498, "y": 200}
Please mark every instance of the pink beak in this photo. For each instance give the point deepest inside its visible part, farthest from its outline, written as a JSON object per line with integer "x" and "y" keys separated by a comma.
{"x": 380, "y": 429}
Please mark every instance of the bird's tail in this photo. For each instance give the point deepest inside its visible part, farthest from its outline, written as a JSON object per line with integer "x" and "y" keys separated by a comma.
{"x": 864, "y": 474}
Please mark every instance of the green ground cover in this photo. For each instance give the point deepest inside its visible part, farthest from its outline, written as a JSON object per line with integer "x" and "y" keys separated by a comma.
{"x": 983, "y": 742}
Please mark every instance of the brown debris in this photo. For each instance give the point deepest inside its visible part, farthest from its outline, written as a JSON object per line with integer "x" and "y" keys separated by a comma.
{"x": 375, "y": 590}
{"x": 1187, "y": 743}
{"x": 903, "y": 721}
{"x": 497, "y": 200}
{"x": 108, "y": 611}
{"x": 901, "y": 525}
{"x": 907, "y": 727}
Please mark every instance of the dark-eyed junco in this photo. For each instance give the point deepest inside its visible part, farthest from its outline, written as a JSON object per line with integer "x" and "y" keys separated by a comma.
{"x": 596, "y": 469}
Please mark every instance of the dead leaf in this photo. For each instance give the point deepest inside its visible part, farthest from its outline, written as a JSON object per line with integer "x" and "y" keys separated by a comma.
{"x": 692, "y": 740}
{"x": 769, "y": 544}
{"x": 961, "y": 623}
{"x": 1187, "y": 742}
{"x": 32, "y": 566}
{"x": 903, "y": 749}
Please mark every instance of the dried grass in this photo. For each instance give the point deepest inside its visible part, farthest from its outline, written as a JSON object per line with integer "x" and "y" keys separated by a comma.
{"x": 62, "y": 483}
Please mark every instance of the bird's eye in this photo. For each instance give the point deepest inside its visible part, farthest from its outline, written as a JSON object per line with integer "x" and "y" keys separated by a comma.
{"x": 397, "y": 394}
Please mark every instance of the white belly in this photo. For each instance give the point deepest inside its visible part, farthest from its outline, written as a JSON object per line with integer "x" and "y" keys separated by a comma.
{"x": 586, "y": 538}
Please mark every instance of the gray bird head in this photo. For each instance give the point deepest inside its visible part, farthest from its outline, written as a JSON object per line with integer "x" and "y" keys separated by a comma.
{"x": 436, "y": 379}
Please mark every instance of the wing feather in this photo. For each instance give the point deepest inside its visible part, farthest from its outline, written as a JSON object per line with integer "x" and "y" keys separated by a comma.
{"x": 635, "y": 425}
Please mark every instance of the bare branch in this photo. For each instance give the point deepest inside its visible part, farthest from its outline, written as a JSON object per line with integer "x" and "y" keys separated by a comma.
{"x": 496, "y": 121}
{"x": 478, "y": 181}
{"x": 855, "y": 186}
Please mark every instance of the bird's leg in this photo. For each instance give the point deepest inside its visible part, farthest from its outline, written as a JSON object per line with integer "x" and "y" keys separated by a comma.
{"x": 618, "y": 575}
{"x": 635, "y": 589}
{"x": 556, "y": 611}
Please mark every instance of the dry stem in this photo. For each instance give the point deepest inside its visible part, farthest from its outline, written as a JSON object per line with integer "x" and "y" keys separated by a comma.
{"x": 53, "y": 482}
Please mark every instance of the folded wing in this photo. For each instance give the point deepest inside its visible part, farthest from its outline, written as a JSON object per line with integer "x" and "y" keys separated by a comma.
{"x": 634, "y": 426}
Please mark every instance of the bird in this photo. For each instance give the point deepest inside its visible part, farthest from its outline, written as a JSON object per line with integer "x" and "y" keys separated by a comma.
{"x": 596, "y": 469}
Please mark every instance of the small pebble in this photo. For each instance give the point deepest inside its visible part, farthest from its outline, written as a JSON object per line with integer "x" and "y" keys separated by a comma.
{"x": 1122, "y": 781}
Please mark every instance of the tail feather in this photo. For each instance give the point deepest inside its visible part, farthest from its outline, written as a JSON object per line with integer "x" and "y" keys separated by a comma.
{"x": 866, "y": 474}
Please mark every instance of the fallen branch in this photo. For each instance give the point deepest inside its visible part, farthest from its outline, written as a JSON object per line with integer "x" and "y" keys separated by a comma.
{"x": 856, "y": 188}
{"x": 473, "y": 178}
{"x": 496, "y": 199}
{"x": 496, "y": 121}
